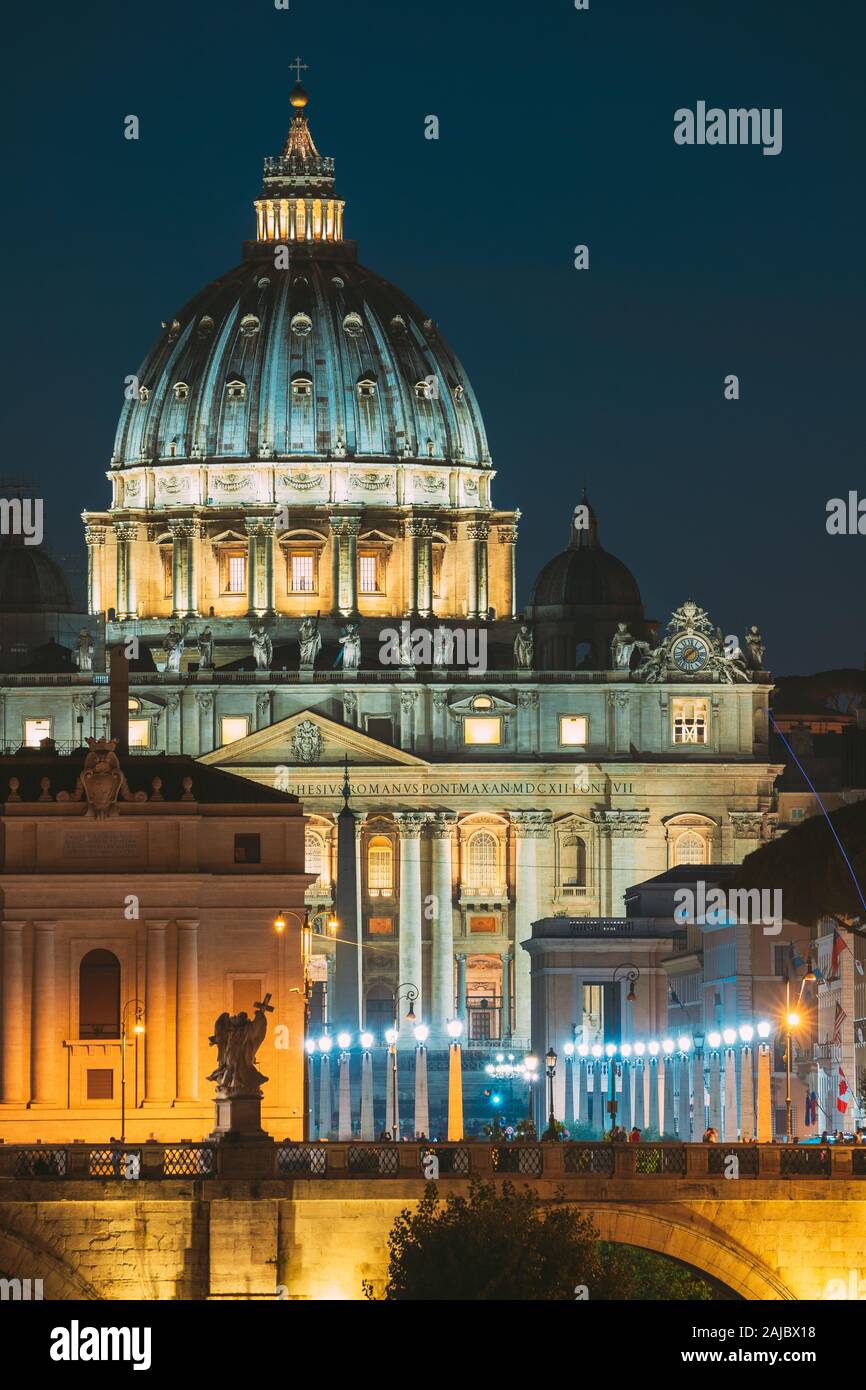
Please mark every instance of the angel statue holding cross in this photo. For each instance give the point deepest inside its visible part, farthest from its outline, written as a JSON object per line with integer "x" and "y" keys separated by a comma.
{"x": 237, "y": 1039}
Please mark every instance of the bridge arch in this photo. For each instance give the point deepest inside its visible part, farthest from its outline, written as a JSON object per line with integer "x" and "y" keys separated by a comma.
{"x": 692, "y": 1239}
{"x": 22, "y": 1257}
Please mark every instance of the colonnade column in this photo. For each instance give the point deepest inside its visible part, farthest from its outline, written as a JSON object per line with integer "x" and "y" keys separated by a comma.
{"x": 12, "y": 1075}
{"x": 45, "y": 1051}
{"x": 252, "y": 528}
{"x": 409, "y": 825}
{"x": 351, "y": 528}
{"x": 618, "y": 829}
{"x": 408, "y": 701}
{"x": 419, "y": 532}
{"x": 336, "y": 523}
{"x": 508, "y": 538}
{"x": 442, "y": 1004}
{"x": 187, "y": 1010}
{"x": 479, "y": 602}
{"x": 95, "y": 538}
{"x": 126, "y": 597}
{"x": 155, "y": 1014}
{"x": 269, "y": 526}
{"x": 529, "y": 827}
{"x": 344, "y": 563}
{"x": 204, "y": 702}
{"x": 182, "y": 594}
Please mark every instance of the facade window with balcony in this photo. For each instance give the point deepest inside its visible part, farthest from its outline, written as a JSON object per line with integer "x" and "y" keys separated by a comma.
{"x": 689, "y": 721}
{"x": 690, "y": 848}
{"x": 314, "y": 857}
{"x": 233, "y": 571}
{"x": 573, "y": 864}
{"x": 303, "y": 578}
{"x": 481, "y": 863}
{"x": 380, "y": 867}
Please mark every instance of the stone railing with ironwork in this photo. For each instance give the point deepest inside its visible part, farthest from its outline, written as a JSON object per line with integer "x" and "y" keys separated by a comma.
{"x": 468, "y": 1158}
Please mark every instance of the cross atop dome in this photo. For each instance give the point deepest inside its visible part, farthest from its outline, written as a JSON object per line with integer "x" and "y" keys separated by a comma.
{"x": 299, "y": 68}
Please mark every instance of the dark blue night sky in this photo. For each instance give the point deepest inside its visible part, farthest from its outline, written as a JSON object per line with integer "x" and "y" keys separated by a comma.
{"x": 556, "y": 129}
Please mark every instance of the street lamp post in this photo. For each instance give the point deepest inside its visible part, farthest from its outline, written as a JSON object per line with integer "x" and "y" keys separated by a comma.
{"x": 307, "y": 925}
{"x": 792, "y": 1021}
{"x": 550, "y": 1070}
{"x": 411, "y": 994}
{"x": 626, "y": 971}
{"x": 138, "y": 1029}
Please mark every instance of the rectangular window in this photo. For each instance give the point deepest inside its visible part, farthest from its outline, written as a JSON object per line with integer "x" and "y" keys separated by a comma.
{"x": 380, "y": 926}
{"x": 438, "y": 559}
{"x": 35, "y": 730}
{"x": 482, "y": 730}
{"x": 245, "y": 995}
{"x": 234, "y": 576}
{"x": 139, "y": 733}
{"x": 100, "y": 1083}
{"x": 797, "y": 813}
{"x": 573, "y": 730}
{"x": 368, "y": 573}
{"x": 483, "y": 924}
{"x": 233, "y": 727}
{"x": 593, "y": 1014}
{"x": 380, "y": 728}
{"x": 689, "y": 721}
{"x": 248, "y": 849}
{"x": 302, "y": 573}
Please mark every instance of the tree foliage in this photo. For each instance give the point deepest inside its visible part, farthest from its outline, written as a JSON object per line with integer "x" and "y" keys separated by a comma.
{"x": 808, "y": 866}
{"x": 508, "y": 1244}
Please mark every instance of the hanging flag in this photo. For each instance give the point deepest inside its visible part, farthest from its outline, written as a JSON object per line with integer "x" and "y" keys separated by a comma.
{"x": 841, "y": 1099}
{"x": 837, "y": 1023}
{"x": 839, "y": 945}
{"x": 675, "y": 997}
{"x": 813, "y": 1108}
{"x": 796, "y": 961}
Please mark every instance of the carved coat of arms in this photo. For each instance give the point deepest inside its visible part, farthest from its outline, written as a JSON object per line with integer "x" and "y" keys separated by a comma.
{"x": 307, "y": 742}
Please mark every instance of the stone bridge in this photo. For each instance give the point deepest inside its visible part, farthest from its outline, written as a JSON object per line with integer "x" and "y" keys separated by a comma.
{"x": 311, "y": 1221}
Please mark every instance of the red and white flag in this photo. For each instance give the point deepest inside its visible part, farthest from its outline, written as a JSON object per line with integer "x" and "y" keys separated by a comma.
{"x": 837, "y": 1023}
{"x": 841, "y": 1099}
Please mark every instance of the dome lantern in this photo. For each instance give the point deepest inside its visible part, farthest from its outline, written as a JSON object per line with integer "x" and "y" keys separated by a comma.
{"x": 298, "y": 202}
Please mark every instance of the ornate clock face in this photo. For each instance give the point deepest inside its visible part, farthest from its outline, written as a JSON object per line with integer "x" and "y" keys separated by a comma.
{"x": 690, "y": 653}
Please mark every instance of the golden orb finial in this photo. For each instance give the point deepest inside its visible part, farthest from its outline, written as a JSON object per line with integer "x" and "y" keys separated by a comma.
{"x": 299, "y": 96}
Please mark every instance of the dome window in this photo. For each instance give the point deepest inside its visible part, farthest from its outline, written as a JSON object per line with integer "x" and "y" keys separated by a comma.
{"x": 144, "y": 394}
{"x": 173, "y": 330}
{"x": 337, "y": 282}
{"x": 353, "y": 325}
{"x": 366, "y": 389}
{"x": 427, "y": 389}
{"x": 302, "y": 386}
{"x": 458, "y": 393}
{"x": 181, "y": 390}
{"x": 301, "y": 325}
{"x": 249, "y": 326}
{"x": 236, "y": 390}
{"x": 398, "y": 325}
{"x": 205, "y": 326}
{"x": 264, "y": 283}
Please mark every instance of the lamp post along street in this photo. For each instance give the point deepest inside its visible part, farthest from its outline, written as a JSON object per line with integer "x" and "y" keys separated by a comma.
{"x": 137, "y": 1030}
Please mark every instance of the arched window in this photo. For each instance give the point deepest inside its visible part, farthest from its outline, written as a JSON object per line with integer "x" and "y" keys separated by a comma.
{"x": 380, "y": 867}
{"x": 314, "y": 857}
{"x": 690, "y": 848}
{"x": 302, "y": 386}
{"x": 99, "y": 995}
{"x": 482, "y": 862}
{"x": 573, "y": 862}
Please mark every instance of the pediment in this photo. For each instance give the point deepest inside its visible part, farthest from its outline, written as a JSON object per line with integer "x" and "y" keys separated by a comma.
{"x": 308, "y": 738}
